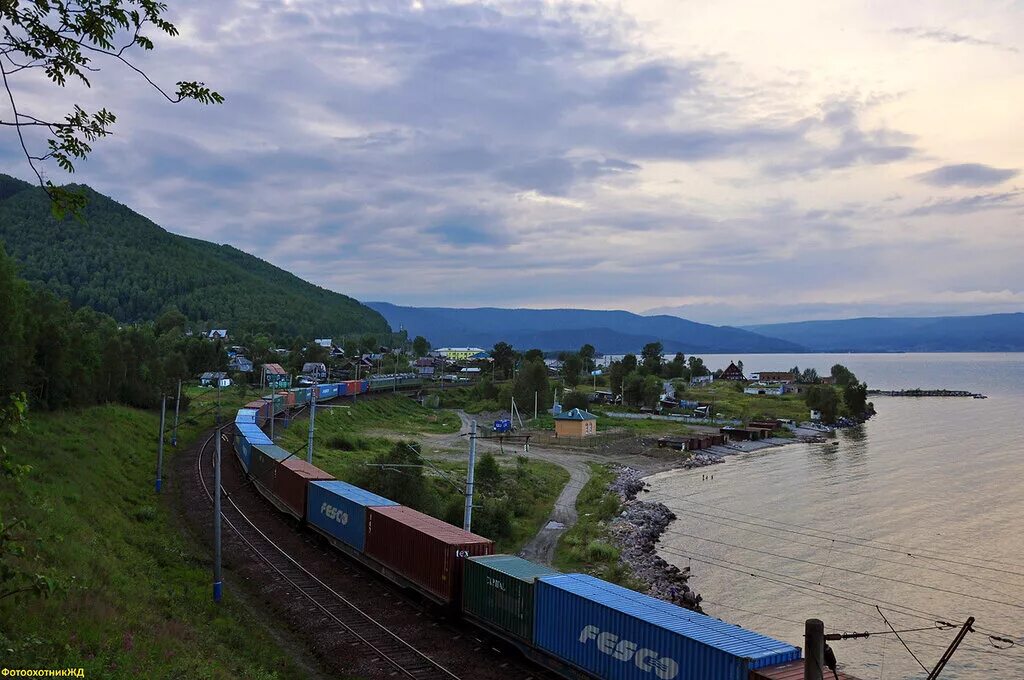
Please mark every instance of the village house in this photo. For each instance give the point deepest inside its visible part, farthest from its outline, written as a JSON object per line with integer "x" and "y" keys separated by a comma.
{"x": 460, "y": 353}
{"x": 783, "y": 377}
{"x": 219, "y": 334}
{"x": 240, "y": 364}
{"x": 215, "y": 379}
{"x": 275, "y": 376}
{"x": 733, "y": 372}
{"x": 315, "y": 369}
{"x": 575, "y": 423}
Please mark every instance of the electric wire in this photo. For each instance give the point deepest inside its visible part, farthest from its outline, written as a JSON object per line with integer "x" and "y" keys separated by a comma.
{"x": 921, "y": 553}
{"x": 858, "y": 599}
{"x": 850, "y": 571}
{"x": 898, "y": 637}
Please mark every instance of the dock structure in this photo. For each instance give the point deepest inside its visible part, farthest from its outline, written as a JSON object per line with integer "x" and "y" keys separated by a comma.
{"x": 927, "y": 393}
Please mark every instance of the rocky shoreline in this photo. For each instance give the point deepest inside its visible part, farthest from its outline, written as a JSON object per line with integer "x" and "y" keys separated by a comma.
{"x": 636, "y": 532}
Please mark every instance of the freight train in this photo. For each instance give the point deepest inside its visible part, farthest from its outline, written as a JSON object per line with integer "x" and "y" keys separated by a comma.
{"x": 574, "y": 624}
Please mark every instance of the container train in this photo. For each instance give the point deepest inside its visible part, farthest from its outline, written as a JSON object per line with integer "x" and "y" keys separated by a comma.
{"x": 574, "y": 624}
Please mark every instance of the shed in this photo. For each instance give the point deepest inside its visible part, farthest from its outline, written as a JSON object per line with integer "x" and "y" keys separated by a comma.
{"x": 575, "y": 423}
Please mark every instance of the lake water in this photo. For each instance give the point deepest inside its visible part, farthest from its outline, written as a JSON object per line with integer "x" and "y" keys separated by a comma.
{"x": 939, "y": 478}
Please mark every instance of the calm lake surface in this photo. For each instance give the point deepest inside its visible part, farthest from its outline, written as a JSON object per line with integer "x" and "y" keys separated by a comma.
{"x": 939, "y": 478}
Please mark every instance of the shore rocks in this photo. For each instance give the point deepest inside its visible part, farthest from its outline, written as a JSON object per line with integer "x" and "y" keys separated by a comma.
{"x": 636, "y": 532}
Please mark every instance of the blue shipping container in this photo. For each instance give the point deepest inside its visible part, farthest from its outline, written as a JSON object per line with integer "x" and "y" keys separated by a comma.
{"x": 246, "y": 415}
{"x": 620, "y": 634}
{"x": 243, "y": 448}
{"x": 339, "y": 509}
{"x": 342, "y": 389}
{"x": 254, "y": 434}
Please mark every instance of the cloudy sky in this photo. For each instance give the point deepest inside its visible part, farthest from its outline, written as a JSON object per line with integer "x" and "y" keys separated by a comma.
{"x": 730, "y": 161}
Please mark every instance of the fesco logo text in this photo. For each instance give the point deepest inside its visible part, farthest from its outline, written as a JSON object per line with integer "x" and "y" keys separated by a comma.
{"x": 331, "y": 512}
{"x": 627, "y": 651}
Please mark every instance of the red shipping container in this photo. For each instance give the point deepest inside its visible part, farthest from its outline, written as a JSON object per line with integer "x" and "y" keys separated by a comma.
{"x": 423, "y": 549}
{"x": 289, "y": 398}
{"x": 291, "y": 478}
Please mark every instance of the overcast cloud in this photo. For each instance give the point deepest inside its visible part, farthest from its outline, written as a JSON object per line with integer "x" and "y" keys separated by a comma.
{"x": 728, "y": 162}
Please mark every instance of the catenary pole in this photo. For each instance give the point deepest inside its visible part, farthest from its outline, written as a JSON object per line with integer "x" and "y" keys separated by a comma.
{"x": 217, "y": 581}
{"x": 177, "y": 402}
{"x": 312, "y": 416}
{"x": 467, "y": 520}
{"x": 160, "y": 445}
{"x": 814, "y": 649}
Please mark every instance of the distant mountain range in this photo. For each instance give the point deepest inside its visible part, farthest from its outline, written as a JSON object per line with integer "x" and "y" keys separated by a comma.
{"x": 611, "y": 332}
{"x": 120, "y": 263}
{"x": 988, "y": 333}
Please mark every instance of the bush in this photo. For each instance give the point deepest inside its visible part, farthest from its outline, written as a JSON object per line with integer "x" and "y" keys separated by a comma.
{"x": 573, "y": 400}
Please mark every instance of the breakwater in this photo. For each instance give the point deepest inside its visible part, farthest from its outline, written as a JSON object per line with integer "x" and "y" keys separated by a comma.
{"x": 927, "y": 393}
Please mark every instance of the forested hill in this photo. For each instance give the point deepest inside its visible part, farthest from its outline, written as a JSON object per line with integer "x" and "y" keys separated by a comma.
{"x": 120, "y": 263}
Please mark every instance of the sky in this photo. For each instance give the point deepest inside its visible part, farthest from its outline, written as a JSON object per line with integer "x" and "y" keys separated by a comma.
{"x": 730, "y": 162}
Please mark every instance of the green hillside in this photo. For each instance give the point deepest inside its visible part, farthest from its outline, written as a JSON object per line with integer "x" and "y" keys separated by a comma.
{"x": 120, "y": 263}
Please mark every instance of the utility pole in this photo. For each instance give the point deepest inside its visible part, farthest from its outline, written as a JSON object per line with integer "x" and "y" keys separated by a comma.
{"x": 217, "y": 582}
{"x": 217, "y": 421}
{"x": 312, "y": 416}
{"x": 536, "y": 396}
{"x": 814, "y": 649}
{"x": 467, "y": 518}
{"x": 160, "y": 445}
{"x": 952, "y": 648}
{"x": 272, "y": 416}
{"x": 177, "y": 402}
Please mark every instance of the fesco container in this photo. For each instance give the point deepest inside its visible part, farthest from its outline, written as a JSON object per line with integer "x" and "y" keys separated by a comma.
{"x": 339, "y": 510}
{"x": 423, "y": 549}
{"x": 342, "y": 389}
{"x": 265, "y": 458}
{"x": 498, "y": 589}
{"x": 291, "y": 477}
{"x": 619, "y": 634}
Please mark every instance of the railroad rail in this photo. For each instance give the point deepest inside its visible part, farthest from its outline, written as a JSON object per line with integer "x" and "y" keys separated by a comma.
{"x": 346, "y": 617}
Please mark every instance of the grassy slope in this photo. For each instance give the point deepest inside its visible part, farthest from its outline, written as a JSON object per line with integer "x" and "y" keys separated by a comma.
{"x": 586, "y": 546}
{"x": 135, "y": 592}
{"x": 348, "y": 437}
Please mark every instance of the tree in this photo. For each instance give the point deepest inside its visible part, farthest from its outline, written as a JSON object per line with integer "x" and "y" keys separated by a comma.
{"x": 587, "y": 354}
{"x": 532, "y": 379}
{"x": 855, "y": 397}
{"x": 651, "y": 358}
{"x": 573, "y": 400}
{"x": 488, "y": 473}
{"x": 629, "y": 363}
{"x": 420, "y": 346}
{"x": 842, "y": 375}
{"x": 368, "y": 343}
{"x": 677, "y": 367}
{"x": 633, "y": 389}
{"x": 697, "y": 367}
{"x": 70, "y": 40}
{"x": 739, "y": 365}
{"x": 810, "y": 376}
{"x": 405, "y": 485}
{"x": 572, "y": 366}
{"x": 533, "y": 354}
{"x": 504, "y": 357}
{"x": 823, "y": 398}
{"x": 169, "y": 320}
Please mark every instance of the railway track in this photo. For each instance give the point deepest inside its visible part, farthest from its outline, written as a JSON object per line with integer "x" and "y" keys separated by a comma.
{"x": 345, "y": 617}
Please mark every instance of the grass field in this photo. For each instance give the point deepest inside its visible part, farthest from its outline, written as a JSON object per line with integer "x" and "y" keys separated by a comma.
{"x": 346, "y": 439}
{"x": 733, "y": 403}
{"x": 134, "y": 593}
